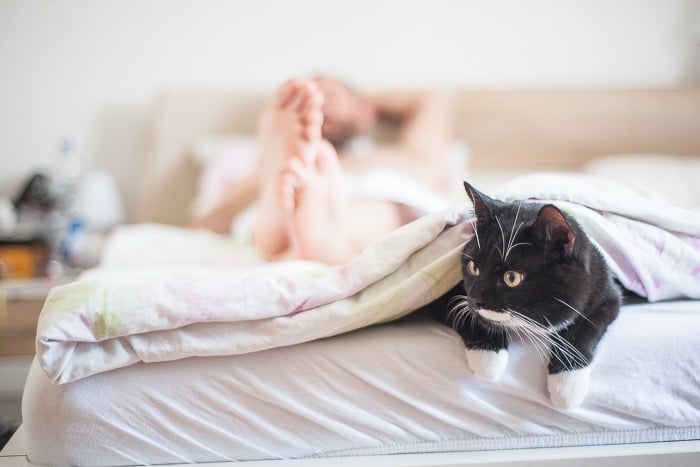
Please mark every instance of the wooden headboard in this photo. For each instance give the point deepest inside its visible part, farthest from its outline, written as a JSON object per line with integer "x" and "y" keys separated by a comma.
{"x": 533, "y": 129}
{"x": 563, "y": 129}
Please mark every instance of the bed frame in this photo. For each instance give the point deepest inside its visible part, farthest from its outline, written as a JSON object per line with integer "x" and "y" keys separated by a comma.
{"x": 681, "y": 453}
{"x": 525, "y": 130}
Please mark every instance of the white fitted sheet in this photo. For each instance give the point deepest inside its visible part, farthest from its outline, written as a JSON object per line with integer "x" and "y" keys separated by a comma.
{"x": 401, "y": 387}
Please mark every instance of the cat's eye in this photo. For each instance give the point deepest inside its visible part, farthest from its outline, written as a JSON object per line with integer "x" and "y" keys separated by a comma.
{"x": 472, "y": 269}
{"x": 512, "y": 278}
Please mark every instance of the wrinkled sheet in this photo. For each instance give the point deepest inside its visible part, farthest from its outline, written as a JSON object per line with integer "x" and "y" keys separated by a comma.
{"x": 399, "y": 387}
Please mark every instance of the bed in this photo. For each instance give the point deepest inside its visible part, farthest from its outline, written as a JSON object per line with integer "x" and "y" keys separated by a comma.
{"x": 393, "y": 387}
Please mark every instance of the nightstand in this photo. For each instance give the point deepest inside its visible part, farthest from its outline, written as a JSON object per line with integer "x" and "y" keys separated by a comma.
{"x": 21, "y": 301}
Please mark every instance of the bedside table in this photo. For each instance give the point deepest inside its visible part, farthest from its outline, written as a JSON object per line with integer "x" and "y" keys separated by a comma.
{"x": 21, "y": 301}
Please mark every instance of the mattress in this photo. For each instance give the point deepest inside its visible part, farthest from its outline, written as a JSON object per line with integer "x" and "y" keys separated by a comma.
{"x": 400, "y": 387}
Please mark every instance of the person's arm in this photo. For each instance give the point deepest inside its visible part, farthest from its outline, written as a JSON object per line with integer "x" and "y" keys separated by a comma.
{"x": 238, "y": 197}
{"x": 424, "y": 120}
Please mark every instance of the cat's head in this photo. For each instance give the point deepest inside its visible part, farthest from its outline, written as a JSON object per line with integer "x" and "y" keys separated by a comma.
{"x": 525, "y": 264}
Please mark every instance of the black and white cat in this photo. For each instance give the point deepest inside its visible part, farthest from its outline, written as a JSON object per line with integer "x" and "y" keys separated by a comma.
{"x": 530, "y": 270}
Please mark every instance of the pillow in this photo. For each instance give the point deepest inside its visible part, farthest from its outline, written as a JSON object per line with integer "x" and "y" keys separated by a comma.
{"x": 674, "y": 178}
{"x": 224, "y": 160}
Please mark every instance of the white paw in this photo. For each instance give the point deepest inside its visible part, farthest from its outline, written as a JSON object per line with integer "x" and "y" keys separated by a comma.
{"x": 487, "y": 364}
{"x": 568, "y": 388}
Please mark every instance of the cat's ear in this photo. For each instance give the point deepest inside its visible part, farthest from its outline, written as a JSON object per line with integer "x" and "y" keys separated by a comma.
{"x": 555, "y": 230}
{"x": 480, "y": 201}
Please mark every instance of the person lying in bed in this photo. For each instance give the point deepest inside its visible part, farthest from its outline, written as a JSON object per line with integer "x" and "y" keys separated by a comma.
{"x": 306, "y": 188}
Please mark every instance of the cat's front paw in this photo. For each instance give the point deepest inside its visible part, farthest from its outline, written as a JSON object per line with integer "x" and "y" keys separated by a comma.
{"x": 487, "y": 364}
{"x": 568, "y": 388}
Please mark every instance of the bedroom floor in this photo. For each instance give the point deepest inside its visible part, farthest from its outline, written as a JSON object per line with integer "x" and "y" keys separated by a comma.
{"x": 14, "y": 371}
{"x": 9, "y": 420}
{"x": 6, "y": 433}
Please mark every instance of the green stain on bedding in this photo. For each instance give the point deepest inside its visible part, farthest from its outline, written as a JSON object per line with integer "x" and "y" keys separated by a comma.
{"x": 69, "y": 297}
{"x": 88, "y": 300}
{"x": 107, "y": 322}
{"x": 430, "y": 277}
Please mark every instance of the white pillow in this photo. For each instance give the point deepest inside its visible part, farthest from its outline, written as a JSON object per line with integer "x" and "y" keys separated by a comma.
{"x": 224, "y": 161}
{"x": 674, "y": 178}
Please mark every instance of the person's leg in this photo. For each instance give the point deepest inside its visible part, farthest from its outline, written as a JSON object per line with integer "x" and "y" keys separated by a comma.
{"x": 304, "y": 212}
{"x": 322, "y": 224}
{"x": 314, "y": 202}
{"x": 290, "y": 128}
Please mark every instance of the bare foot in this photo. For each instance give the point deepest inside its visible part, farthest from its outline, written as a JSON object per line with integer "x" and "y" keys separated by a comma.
{"x": 289, "y": 129}
{"x": 313, "y": 198}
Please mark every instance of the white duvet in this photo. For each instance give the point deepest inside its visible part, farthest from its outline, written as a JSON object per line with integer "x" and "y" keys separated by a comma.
{"x": 202, "y": 296}
{"x": 116, "y": 316}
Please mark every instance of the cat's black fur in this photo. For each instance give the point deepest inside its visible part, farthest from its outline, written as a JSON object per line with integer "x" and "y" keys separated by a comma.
{"x": 566, "y": 293}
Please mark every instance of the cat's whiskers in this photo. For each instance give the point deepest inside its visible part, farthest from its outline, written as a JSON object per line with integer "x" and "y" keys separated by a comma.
{"x": 540, "y": 347}
{"x": 574, "y": 310}
{"x": 567, "y": 350}
{"x": 524, "y": 330}
{"x": 544, "y": 339}
{"x": 476, "y": 233}
{"x": 513, "y": 246}
{"x": 557, "y": 327}
{"x": 459, "y": 318}
{"x": 513, "y": 232}
{"x": 512, "y": 239}
{"x": 574, "y": 358}
{"x": 461, "y": 301}
{"x": 500, "y": 252}
{"x": 515, "y": 221}
{"x": 459, "y": 311}
{"x": 503, "y": 239}
{"x": 468, "y": 314}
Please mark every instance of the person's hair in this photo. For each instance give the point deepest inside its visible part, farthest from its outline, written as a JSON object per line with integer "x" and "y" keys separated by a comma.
{"x": 339, "y": 132}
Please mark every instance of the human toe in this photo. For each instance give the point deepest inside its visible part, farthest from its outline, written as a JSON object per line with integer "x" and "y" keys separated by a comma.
{"x": 288, "y": 91}
{"x": 307, "y": 93}
{"x": 287, "y": 189}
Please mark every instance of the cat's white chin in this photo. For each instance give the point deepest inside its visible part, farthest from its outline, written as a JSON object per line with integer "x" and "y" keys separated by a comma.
{"x": 487, "y": 364}
{"x": 568, "y": 388}
{"x": 491, "y": 315}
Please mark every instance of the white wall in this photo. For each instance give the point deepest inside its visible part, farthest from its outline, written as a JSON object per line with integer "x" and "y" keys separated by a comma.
{"x": 90, "y": 69}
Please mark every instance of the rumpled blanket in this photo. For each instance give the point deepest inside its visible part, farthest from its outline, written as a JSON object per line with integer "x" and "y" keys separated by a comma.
{"x": 651, "y": 245}
{"x": 121, "y": 315}
{"x": 213, "y": 298}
